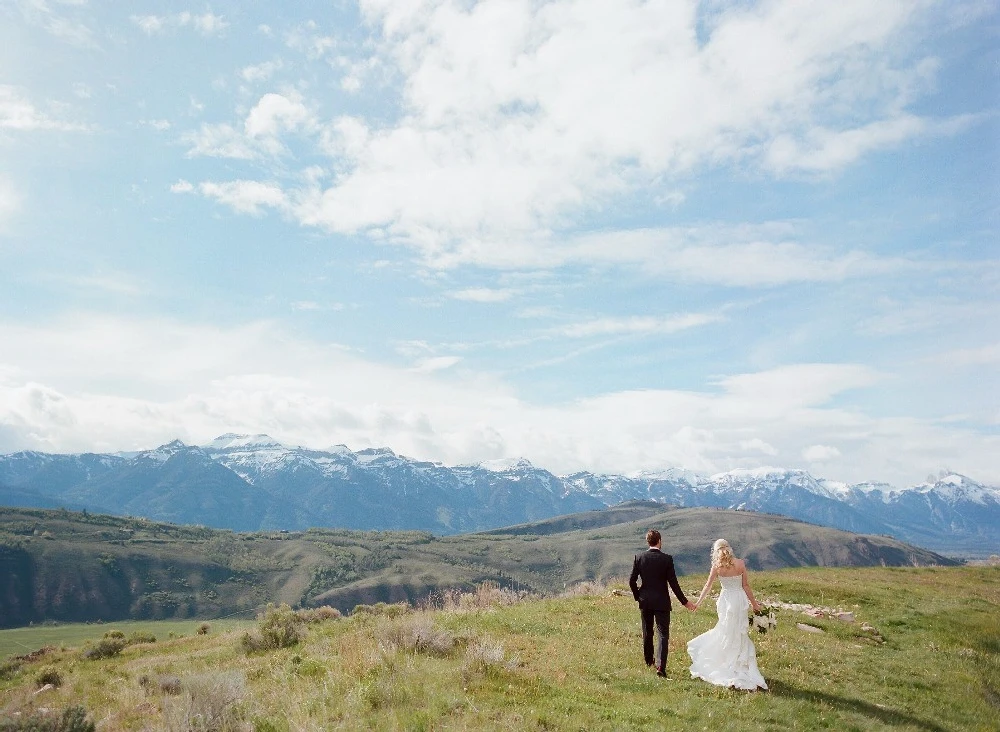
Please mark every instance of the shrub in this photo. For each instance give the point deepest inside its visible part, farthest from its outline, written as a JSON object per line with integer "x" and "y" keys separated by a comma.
{"x": 204, "y": 628}
{"x": 161, "y": 684}
{"x": 207, "y": 703}
{"x": 381, "y": 609}
{"x": 105, "y": 648}
{"x": 10, "y": 668}
{"x": 48, "y": 675}
{"x": 141, "y": 637}
{"x": 114, "y": 634}
{"x": 319, "y": 614}
{"x": 72, "y": 719}
{"x": 277, "y": 627}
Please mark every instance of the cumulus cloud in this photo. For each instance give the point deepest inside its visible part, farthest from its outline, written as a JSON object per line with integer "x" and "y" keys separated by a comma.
{"x": 516, "y": 115}
{"x": 99, "y": 382}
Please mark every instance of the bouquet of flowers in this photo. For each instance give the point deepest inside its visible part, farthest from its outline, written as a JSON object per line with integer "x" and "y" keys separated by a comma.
{"x": 763, "y": 620}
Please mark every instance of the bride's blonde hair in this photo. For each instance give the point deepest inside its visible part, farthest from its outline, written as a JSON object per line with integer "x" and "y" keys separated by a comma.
{"x": 722, "y": 554}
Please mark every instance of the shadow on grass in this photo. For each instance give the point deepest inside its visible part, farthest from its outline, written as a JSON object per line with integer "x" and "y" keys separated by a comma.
{"x": 886, "y": 716}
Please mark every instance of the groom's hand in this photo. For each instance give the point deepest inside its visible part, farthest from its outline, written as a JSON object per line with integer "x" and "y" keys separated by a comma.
{"x": 690, "y": 606}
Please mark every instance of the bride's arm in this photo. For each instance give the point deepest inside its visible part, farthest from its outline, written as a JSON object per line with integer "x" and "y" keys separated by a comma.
{"x": 746, "y": 589}
{"x": 708, "y": 585}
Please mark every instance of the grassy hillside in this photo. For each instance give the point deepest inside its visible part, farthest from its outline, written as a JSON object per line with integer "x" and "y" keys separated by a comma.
{"x": 567, "y": 663}
{"x": 66, "y": 566}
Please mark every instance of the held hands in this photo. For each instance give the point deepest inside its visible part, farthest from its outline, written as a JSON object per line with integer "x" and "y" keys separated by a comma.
{"x": 690, "y": 606}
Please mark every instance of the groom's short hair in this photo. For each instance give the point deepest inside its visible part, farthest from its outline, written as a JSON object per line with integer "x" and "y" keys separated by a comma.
{"x": 652, "y": 537}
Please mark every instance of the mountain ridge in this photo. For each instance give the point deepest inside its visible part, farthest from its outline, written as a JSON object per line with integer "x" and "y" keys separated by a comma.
{"x": 248, "y": 482}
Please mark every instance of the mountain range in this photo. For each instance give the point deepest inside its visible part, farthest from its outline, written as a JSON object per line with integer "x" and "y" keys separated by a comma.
{"x": 252, "y": 482}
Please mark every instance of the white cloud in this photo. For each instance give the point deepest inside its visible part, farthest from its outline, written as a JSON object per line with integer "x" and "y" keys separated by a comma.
{"x": 436, "y": 363}
{"x": 820, "y": 453}
{"x": 637, "y": 324}
{"x": 219, "y": 141}
{"x": 483, "y": 294}
{"x": 71, "y": 30}
{"x": 19, "y": 114}
{"x": 981, "y": 356}
{"x": 208, "y": 24}
{"x": 100, "y": 382}
{"x": 150, "y": 24}
{"x": 245, "y": 196}
{"x": 260, "y": 72}
{"x": 10, "y": 200}
{"x": 757, "y": 445}
{"x": 182, "y": 186}
{"x": 276, "y": 113}
{"x": 517, "y": 115}
{"x": 271, "y": 117}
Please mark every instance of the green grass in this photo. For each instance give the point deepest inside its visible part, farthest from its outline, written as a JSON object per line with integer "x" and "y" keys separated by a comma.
{"x": 575, "y": 663}
{"x": 19, "y": 641}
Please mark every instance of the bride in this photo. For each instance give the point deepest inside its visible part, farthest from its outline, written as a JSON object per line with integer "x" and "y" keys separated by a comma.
{"x": 725, "y": 655}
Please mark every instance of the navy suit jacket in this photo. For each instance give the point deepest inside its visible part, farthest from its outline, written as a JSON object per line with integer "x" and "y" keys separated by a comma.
{"x": 656, "y": 570}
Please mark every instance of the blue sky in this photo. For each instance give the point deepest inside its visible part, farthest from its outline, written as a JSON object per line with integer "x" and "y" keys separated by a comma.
{"x": 604, "y": 236}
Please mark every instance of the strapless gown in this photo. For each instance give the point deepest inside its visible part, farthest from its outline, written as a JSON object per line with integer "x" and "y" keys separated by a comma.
{"x": 725, "y": 655}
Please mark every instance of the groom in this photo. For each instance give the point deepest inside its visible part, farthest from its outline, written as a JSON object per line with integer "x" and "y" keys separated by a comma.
{"x": 656, "y": 570}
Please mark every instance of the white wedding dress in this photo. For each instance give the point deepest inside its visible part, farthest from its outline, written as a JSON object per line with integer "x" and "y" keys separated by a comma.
{"x": 725, "y": 655}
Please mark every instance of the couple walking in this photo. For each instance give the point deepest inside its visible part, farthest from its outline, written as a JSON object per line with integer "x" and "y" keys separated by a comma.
{"x": 725, "y": 655}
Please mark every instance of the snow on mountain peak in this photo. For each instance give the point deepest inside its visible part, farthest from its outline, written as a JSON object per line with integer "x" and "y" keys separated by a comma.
{"x": 233, "y": 441}
{"x": 954, "y": 487}
{"x": 164, "y": 452}
{"x": 503, "y": 465}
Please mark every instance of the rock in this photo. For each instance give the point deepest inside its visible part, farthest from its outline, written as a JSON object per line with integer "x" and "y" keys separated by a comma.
{"x": 47, "y": 687}
{"x": 845, "y": 616}
{"x": 809, "y": 628}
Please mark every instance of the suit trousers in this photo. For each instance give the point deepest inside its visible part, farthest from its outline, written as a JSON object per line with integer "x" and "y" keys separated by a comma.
{"x": 661, "y": 618}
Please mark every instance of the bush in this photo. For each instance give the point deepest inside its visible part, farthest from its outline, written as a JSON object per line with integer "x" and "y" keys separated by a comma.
{"x": 319, "y": 614}
{"x": 105, "y": 648}
{"x": 383, "y": 610}
{"x": 114, "y": 634}
{"x": 277, "y": 627}
{"x": 161, "y": 684}
{"x": 141, "y": 637}
{"x": 72, "y": 719}
{"x": 9, "y": 669}
{"x": 48, "y": 675}
{"x": 204, "y": 628}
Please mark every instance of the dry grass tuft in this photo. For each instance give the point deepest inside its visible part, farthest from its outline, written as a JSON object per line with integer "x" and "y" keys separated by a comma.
{"x": 207, "y": 703}
{"x": 417, "y": 634}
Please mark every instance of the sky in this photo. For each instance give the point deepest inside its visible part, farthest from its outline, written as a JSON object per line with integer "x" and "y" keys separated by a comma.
{"x": 606, "y": 236}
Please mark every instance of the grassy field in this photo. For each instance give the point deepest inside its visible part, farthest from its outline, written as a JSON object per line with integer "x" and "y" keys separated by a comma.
{"x": 567, "y": 663}
{"x": 19, "y": 641}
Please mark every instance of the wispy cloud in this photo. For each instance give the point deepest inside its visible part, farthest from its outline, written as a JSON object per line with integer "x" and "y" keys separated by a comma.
{"x": 18, "y": 113}
{"x": 208, "y": 24}
{"x": 482, "y": 294}
{"x": 637, "y": 324}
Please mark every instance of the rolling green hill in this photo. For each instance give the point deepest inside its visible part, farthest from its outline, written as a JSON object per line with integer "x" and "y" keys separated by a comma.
{"x": 66, "y": 566}
{"x": 921, "y": 655}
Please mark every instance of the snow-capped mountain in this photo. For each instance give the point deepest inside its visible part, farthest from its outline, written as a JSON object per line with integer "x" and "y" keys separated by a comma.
{"x": 252, "y": 482}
